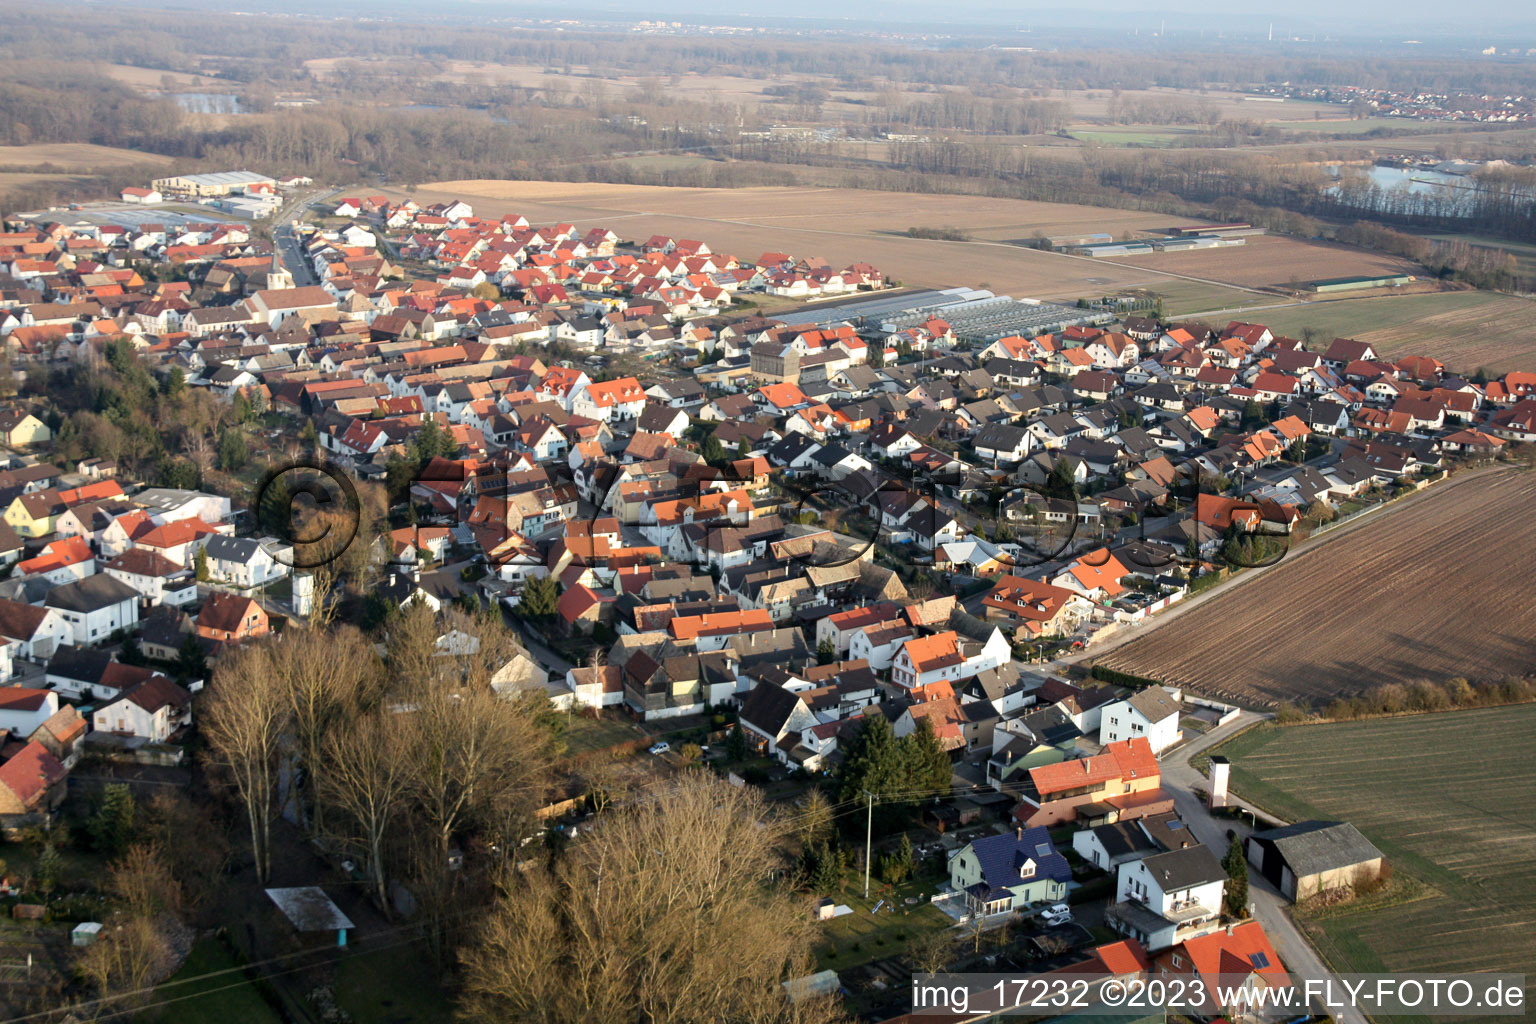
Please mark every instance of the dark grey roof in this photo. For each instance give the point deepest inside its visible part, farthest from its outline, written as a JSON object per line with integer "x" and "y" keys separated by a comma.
{"x": 1123, "y": 838}
{"x": 769, "y": 707}
{"x": 90, "y": 594}
{"x": 1312, "y": 847}
{"x": 232, "y": 549}
{"x": 85, "y": 664}
{"x": 1185, "y": 868}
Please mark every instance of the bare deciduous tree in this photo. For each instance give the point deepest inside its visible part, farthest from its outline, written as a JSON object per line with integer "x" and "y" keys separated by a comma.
{"x": 327, "y": 678}
{"x": 645, "y": 918}
{"x": 475, "y": 764}
{"x": 244, "y": 718}
{"x": 365, "y": 780}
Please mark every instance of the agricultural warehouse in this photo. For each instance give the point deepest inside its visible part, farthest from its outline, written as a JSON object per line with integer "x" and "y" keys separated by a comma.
{"x": 1310, "y": 857}
{"x": 218, "y": 183}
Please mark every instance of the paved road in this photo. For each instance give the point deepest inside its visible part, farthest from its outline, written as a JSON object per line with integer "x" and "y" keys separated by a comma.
{"x": 1270, "y": 909}
{"x": 289, "y": 251}
{"x": 540, "y": 651}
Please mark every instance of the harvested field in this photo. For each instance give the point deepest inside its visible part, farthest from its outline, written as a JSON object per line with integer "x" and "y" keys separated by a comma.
{"x": 1464, "y": 330}
{"x": 1094, "y": 104}
{"x": 1432, "y": 589}
{"x": 1274, "y": 261}
{"x": 154, "y": 79}
{"x": 846, "y": 225}
{"x": 1444, "y": 797}
{"x": 73, "y": 156}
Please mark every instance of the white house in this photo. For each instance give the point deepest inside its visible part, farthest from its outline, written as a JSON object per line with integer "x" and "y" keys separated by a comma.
{"x": 23, "y": 709}
{"x": 169, "y": 505}
{"x": 600, "y": 687}
{"x": 159, "y": 579}
{"x": 943, "y": 656}
{"x": 1152, "y": 713}
{"x": 242, "y": 561}
{"x": 30, "y": 632}
{"x": 612, "y": 401}
{"x": 152, "y": 710}
{"x": 1166, "y": 898}
{"x": 96, "y": 607}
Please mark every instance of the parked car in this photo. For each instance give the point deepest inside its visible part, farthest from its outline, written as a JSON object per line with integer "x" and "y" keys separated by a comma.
{"x": 660, "y": 747}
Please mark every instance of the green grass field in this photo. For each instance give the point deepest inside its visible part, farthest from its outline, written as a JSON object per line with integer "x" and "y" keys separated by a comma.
{"x": 584, "y": 735}
{"x": 223, "y": 997}
{"x": 863, "y": 936}
{"x": 1183, "y": 297}
{"x": 1447, "y": 798}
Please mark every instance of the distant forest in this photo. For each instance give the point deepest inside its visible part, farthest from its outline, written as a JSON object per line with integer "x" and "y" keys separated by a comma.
{"x": 391, "y": 116}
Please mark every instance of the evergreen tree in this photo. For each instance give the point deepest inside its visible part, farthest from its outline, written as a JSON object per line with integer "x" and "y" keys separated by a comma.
{"x": 233, "y": 452}
{"x": 111, "y": 826}
{"x": 742, "y": 449}
{"x": 874, "y": 762}
{"x": 825, "y": 868}
{"x": 1236, "y": 896}
{"x": 178, "y": 473}
{"x": 1061, "y": 482}
{"x": 200, "y": 563}
{"x": 713, "y": 451}
{"x": 736, "y": 748}
{"x": 49, "y": 865}
{"x": 192, "y": 659}
{"x": 539, "y": 598}
{"x": 825, "y": 653}
{"x": 131, "y": 653}
{"x": 928, "y": 766}
{"x": 175, "y": 383}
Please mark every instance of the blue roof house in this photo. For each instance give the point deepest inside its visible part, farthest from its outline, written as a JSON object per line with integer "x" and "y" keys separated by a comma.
{"x": 1006, "y": 873}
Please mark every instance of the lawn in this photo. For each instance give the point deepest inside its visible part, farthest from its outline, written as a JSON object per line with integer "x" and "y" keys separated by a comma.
{"x": 390, "y": 985}
{"x": 863, "y": 936}
{"x": 1446, "y": 797}
{"x": 223, "y": 997}
{"x": 584, "y": 735}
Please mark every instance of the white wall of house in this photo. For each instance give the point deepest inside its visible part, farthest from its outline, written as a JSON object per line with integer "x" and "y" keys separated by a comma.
{"x": 91, "y": 627}
{"x": 1121, "y": 721}
{"x": 22, "y": 723}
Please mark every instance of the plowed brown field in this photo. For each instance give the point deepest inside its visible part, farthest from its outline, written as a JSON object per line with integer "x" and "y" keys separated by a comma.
{"x": 1436, "y": 589}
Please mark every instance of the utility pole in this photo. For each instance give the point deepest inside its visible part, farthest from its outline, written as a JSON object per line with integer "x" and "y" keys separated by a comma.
{"x": 869, "y": 826}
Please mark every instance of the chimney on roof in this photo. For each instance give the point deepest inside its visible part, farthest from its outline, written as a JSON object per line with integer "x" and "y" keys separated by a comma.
{"x": 1229, "y": 929}
{"x": 1018, "y": 833}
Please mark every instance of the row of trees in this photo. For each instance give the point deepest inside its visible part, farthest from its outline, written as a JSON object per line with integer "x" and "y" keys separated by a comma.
{"x": 396, "y": 763}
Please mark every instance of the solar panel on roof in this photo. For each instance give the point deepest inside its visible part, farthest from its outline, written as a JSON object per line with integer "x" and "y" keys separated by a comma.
{"x": 1259, "y": 960}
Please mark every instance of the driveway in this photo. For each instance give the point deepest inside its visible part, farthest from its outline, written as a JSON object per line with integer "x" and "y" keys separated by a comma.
{"x": 1270, "y": 909}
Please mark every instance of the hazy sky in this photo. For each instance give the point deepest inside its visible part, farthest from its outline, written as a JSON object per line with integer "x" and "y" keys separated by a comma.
{"x": 1377, "y": 18}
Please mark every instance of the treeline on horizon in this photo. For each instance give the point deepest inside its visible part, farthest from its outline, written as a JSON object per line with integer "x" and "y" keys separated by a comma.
{"x": 273, "y": 49}
{"x": 583, "y": 128}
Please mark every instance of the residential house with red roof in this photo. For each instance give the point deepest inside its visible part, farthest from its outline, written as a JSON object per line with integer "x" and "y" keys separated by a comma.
{"x": 1122, "y": 782}
{"x": 151, "y": 710}
{"x": 32, "y": 784}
